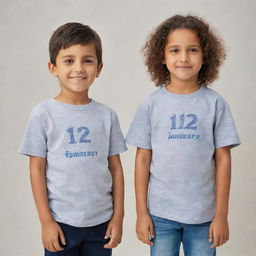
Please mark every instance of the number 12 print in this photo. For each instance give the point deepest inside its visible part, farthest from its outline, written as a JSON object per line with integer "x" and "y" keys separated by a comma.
{"x": 83, "y": 136}
{"x": 189, "y": 119}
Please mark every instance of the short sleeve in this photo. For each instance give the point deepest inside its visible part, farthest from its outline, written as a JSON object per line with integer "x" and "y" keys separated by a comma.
{"x": 116, "y": 143}
{"x": 139, "y": 133}
{"x": 34, "y": 141}
{"x": 225, "y": 133}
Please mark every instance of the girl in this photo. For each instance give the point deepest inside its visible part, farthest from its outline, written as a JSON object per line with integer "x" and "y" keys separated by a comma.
{"x": 183, "y": 133}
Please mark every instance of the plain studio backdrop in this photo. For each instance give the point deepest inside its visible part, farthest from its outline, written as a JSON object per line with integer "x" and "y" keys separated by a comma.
{"x": 123, "y": 26}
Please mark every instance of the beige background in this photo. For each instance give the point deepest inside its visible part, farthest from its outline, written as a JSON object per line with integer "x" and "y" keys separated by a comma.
{"x": 26, "y": 27}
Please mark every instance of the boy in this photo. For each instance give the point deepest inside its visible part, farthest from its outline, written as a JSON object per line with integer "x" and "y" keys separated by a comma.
{"x": 74, "y": 144}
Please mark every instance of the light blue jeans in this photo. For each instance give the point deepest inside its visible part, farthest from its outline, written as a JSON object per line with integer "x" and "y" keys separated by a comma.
{"x": 170, "y": 234}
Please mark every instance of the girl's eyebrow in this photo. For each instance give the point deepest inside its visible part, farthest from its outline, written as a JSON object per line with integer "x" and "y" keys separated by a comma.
{"x": 73, "y": 56}
{"x": 195, "y": 45}
{"x": 191, "y": 45}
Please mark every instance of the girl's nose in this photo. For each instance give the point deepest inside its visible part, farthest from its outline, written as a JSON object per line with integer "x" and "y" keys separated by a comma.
{"x": 184, "y": 56}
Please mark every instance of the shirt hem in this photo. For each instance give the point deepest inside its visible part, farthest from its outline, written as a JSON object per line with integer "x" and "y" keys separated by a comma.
{"x": 232, "y": 143}
{"x": 185, "y": 221}
{"x": 117, "y": 152}
{"x": 29, "y": 153}
{"x": 138, "y": 145}
{"x": 81, "y": 225}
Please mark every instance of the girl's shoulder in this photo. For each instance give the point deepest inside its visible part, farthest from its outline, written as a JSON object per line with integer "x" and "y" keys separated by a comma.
{"x": 152, "y": 97}
{"x": 214, "y": 96}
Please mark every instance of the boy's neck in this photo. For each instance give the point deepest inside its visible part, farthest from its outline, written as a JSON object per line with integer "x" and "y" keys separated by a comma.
{"x": 73, "y": 98}
{"x": 182, "y": 87}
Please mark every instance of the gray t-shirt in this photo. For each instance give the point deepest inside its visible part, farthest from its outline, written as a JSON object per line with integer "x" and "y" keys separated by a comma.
{"x": 76, "y": 140}
{"x": 183, "y": 132}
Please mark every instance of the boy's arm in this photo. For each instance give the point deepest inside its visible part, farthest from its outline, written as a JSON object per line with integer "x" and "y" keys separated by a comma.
{"x": 219, "y": 231}
{"x": 114, "y": 229}
{"x": 50, "y": 229}
{"x": 144, "y": 225}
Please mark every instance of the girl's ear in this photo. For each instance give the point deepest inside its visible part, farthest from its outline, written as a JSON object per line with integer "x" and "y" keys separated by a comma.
{"x": 53, "y": 69}
{"x": 163, "y": 61}
{"x": 203, "y": 60}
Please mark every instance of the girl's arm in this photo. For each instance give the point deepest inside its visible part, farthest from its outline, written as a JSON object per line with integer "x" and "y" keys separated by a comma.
{"x": 114, "y": 229}
{"x": 219, "y": 231}
{"x": 50, "y": 229}
{"x": 144, "y": 225}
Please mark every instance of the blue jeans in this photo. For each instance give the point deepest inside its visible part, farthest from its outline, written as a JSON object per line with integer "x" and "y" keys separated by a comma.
{"x": 88, "y": 241}
{"x": 170, "y": 234}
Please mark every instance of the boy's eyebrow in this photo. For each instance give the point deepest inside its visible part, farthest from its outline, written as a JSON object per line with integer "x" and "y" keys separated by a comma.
{"x": 72, "y": 56}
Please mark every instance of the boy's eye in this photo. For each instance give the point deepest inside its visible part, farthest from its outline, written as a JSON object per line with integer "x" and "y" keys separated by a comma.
{"x": 88, "y": 61}
{"x": 68, "y": 61}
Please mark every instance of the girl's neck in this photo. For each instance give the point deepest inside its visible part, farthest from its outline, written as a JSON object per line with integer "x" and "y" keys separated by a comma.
{"x": 182, "y": 87}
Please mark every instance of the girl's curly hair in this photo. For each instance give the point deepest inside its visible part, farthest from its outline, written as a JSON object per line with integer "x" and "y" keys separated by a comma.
{"x": 212, "y": 48}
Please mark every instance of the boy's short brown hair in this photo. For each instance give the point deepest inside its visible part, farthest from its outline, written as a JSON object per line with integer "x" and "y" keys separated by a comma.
{"x": 212, "y": 48}
{"x": 73, "y": 33}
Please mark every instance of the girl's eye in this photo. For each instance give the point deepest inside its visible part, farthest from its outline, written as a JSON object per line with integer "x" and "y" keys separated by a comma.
{"x": 68, "y": 61}
{"x": 194, "y": 50}
{"x": 174, "y": 50}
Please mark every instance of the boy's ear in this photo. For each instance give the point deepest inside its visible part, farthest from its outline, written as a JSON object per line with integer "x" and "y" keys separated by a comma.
{"x": 52, "y": 69}
{"x": 99, "y": 69}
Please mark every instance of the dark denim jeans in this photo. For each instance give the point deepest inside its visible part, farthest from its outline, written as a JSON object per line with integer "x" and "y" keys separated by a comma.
{"x": 170, "y": 234}
{"x": 88, "y": 241}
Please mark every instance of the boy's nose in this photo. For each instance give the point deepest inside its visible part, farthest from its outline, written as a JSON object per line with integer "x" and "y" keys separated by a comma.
{"x": 78, "y": 67}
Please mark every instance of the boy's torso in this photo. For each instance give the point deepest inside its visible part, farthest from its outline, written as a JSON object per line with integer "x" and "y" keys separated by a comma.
{"x": 79, "y": 182}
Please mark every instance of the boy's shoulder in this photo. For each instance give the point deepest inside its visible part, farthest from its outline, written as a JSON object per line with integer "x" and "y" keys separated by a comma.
{"x": 50, "y": 104}
{"x": 104, "y": 108}
{"x": 41, "y": 108}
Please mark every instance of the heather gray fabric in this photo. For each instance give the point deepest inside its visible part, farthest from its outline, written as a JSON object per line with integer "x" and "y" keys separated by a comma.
{"x": 76, "y": 140}
{"x": 183, "y": 132}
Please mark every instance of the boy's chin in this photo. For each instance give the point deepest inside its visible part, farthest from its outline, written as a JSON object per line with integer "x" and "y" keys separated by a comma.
{"x": 78, "y": 89}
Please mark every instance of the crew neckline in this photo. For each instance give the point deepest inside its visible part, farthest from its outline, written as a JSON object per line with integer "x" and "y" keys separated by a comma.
{"x": 72, "y": 106}
{"x": 183, "y": 96}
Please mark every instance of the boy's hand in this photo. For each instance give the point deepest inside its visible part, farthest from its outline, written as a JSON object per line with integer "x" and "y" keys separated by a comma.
{"x": 219, "y": 231}
{"x": 145, "y": 229}
{"x": 114, "y": 232}
{"x": 51, "y": 232}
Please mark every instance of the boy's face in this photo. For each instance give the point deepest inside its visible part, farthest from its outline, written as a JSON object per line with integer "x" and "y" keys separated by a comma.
{"x": 76, "y": 68}
{"x": 183, "y": 55}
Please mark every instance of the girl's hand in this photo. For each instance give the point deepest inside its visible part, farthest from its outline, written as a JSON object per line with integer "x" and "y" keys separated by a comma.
{"x": 145, "y": 229}
{"x": 219, "y": 231}
{"x": 51, "y": 232}
{"x": 114, "y": 232}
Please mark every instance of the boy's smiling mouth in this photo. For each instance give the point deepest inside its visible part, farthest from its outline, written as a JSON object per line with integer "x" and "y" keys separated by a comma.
{"x": 77, "y": 77}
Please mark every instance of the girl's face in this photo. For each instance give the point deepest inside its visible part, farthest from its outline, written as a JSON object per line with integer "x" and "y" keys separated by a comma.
{"x": 183, "y": 55}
